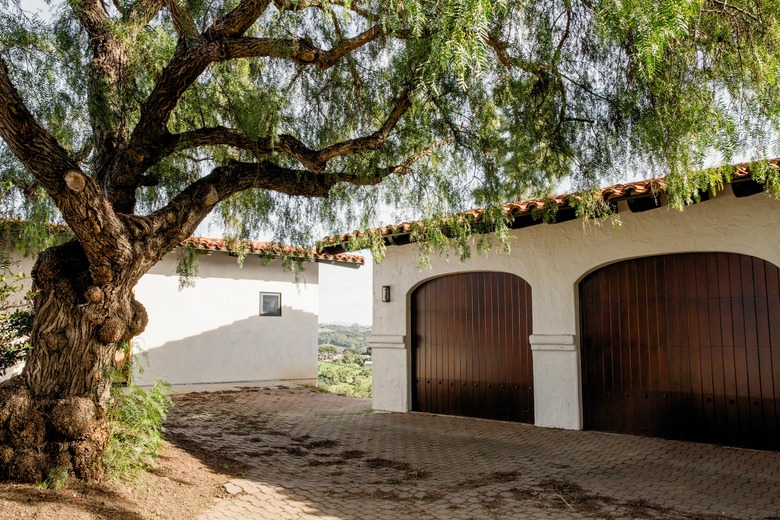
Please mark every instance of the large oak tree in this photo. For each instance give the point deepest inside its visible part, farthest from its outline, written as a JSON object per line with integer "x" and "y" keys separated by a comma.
{"x": 133, "y": 120}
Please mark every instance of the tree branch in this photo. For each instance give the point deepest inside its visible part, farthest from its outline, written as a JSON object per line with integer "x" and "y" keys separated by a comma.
{"x": 93, "y": 16}
{"x": 559, "y": 48}
{"x": 215, "y": 136}
{"x": 406, "y": 166}
{"x": 500, "y": 47}
{"x": 300, "y": 5}
{"x": 724, "y": 5}
{"x": 170, "y": 225}
{"x": 78, "y": 197}
{"x": 182, "y": 19}
{"x": 177, "y": 220}
{"x": 315, "y": 161}
{"x": 143, "y": 11}
{"x": 105, "y": 82}
{"x": 300, "y": 50}
{"x": 222, "y": 41}
{"x": 237, "y": 21}
{"x": 373, "y": 141}
{"x": 167, "y": 227}
{"x": 189, "y": 61}
{"x": 350, "y": 59}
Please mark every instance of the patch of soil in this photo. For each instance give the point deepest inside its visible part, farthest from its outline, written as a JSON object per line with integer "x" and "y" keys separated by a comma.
{"x": 416, "y": 474}
{"x": 572, "y": 496}
{"x": 322, "y": 444}
{"x": 295, "y": 451}
{"x": 352, "y": 454}
{"x": 384, "y": 463}
{"x": 179, "y": 486}
{"x": 563, "y": 494}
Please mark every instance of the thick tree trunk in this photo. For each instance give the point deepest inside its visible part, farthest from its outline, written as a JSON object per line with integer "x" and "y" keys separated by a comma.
{"x": 54, "y": 414}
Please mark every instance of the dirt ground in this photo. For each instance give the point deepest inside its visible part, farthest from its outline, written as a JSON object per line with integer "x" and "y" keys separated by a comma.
{"x": 182, "y": 484}
{"x": 178, "y": 487}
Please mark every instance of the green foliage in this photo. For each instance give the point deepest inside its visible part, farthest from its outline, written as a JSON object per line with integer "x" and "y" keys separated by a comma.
{"x": 342, "y": 362}
{"x": 15, "y": 318}
{"x": 591, "y": 206}
{"x": 508, "y": 99}
{"x": 327, "y": 352}
{"x": 187, "y": 261}
{"x": 763, "y": 173}
{"x": 353, "y": 356}
{"x": 346, "y": 337}
{"x": 56, "y": 479}
{"x": 135, "y": 421}
{"x": 342, "y": 377}
{"x": 31, "y": 237}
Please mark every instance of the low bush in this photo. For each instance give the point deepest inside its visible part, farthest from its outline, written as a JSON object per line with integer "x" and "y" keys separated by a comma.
{"x": 136, "y": 420}
{"x": 15, "y": 318}
{"x": 342, "y": 377}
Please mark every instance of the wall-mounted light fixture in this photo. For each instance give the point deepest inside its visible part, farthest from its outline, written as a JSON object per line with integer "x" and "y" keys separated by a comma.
{"x": 385, "y": 293}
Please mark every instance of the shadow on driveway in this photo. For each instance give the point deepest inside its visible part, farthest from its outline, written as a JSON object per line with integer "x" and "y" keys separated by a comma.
{"x": 300, "y": 454}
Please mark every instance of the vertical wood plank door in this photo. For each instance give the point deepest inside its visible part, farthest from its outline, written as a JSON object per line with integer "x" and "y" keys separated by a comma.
{"x": 684, "y": 346}
{"x": 471, "y": 354}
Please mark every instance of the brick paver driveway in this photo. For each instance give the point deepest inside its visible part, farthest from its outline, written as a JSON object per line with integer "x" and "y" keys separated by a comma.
{"x": 311, "y": 455}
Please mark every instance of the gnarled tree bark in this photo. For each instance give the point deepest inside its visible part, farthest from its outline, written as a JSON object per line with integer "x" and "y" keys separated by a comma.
{"x": 54, "y": 414}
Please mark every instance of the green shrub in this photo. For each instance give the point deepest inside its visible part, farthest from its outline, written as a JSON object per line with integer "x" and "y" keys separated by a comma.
{"x": 135, "y": 421}
{"x": 57, "y": 478}
{"x": 342, "y": 377}
{"x": 15, "y": 318}
{"x": 327, "y": 353}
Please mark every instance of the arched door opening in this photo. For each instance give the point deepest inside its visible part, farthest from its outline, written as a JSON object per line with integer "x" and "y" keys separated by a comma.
{"x": 684, "y": 346}
{"x": 471, "y": 354}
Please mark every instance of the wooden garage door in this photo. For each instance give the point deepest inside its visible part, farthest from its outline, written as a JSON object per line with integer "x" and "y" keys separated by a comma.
{"x": 684, "y": 346}
{"x": 471, "y": 355}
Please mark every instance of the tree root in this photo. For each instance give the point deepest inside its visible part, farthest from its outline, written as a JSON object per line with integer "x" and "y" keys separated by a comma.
{"x": 37, "y": 436}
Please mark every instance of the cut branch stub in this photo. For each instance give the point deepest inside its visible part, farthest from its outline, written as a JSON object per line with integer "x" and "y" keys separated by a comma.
{"x": 75, "y": 180}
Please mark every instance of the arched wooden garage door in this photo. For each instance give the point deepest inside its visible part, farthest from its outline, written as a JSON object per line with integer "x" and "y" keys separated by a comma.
{"x": 684, "y": 346}
{"x": 470, "y": 350}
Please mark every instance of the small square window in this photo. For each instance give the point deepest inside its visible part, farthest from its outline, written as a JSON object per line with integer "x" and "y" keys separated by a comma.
{"x": 270, "y": 304}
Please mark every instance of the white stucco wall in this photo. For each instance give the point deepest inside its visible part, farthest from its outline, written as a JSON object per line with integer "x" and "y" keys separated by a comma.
{"x": 213, "y": 332}
{"x": 553, "y": 258}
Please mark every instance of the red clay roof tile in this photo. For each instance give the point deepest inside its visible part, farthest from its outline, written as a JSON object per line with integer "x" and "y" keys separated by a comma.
{"x": 610, "y": 193}
{"x": 219, "y": 244}
{"x": 273, "y": 249}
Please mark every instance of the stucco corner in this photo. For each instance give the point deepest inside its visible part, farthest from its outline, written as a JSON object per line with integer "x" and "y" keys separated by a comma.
{"x": 557, "y": 342}
{"x": 387, "y": 341}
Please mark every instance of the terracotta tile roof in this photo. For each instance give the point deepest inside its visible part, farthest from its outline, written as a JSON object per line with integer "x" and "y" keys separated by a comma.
{"x": 273, "y": 249}
{"x": 614, "y": 193}
{"x": 219, "y": 244}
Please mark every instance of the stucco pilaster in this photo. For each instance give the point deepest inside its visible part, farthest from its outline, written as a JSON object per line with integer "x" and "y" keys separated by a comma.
{"x": 390, "y": 373}
{"x": 557, "y": 401}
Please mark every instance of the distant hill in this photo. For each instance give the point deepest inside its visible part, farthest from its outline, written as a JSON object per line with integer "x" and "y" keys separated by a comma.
{"x": 342, "y": 323}
{"x": 344, "y": 336}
